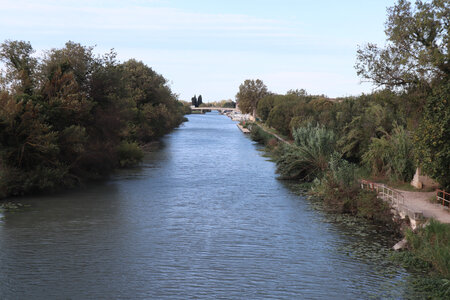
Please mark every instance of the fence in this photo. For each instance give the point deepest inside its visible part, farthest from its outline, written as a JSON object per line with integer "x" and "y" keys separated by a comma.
{"x": 384, "y": 192}
{"x": 443, "y": 198}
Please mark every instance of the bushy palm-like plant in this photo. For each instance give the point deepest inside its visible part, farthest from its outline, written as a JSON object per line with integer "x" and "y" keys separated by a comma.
{"x": 309, "y": 156}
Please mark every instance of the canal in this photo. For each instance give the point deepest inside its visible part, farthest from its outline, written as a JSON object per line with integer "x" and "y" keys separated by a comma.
{"x": 202, "y": 217}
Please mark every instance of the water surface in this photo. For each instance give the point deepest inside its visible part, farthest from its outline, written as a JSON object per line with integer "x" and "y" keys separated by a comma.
{"x": 203, "y": 217}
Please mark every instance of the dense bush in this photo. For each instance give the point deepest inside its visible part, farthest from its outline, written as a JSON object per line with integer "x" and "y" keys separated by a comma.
{"x": 259, "y": 135}
{"x": 391, "y": 155}
{"x": 129, "y": 154}
{"x": 339, "y": 188}
{"x": 309, "y": 156}
{"x": 280, "y": 117}
{"x": 70, "y": 115}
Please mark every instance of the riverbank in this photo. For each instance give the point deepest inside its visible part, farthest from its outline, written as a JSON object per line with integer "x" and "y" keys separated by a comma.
{"x": 202, "y": 216}
{"x": 350, "y": 199}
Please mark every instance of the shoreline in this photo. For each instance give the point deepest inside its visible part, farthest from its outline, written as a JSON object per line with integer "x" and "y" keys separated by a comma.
{"x": 417, "y": 232}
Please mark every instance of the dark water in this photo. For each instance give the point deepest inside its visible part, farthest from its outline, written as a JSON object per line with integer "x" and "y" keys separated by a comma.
{"x": 203, "y": 217}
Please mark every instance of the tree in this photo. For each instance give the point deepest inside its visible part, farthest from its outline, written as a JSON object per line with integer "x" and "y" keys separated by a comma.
{"x": 250, "y": 92}
{"x": 71, "y": 115}
{"x": 20, "y": 65}
{"x": 199, "y": 100}
{"x": 417, "y": 51}
{"x": 265, "y": 105}
{"x": 280, "y": 116}
{"x": 297, "y": 92}
{"x": 433, "y": 136}
{"x": 194, "y": 101}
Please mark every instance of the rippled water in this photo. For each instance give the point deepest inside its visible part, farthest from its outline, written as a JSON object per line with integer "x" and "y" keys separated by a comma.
{"x": 203, "y": 217}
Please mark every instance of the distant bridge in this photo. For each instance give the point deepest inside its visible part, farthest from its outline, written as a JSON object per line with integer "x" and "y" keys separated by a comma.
{"x": 220, "y": 109}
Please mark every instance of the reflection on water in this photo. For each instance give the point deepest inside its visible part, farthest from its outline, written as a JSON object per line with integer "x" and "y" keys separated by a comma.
{"x": 202, "y": 217}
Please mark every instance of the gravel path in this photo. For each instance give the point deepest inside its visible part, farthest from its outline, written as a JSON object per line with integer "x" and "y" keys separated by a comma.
{"x": 420, "y": 201}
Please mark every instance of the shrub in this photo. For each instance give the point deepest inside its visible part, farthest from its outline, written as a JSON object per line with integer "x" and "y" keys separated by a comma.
{"x": 391, "y": 155}
{"x": 308, "y": 158}
{"x": 259, "y": 135}
{"x": 340, "y": 190}
{"x": 280, "y": 117}
{"x": 264, "y": 107}
{"x": 432, "y": 244}
{"x": 129, "y": 154}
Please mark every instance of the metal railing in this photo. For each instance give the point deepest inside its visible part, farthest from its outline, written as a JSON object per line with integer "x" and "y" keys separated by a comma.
{"x": 443, "y": 197}
{"x": 384, "y": 192}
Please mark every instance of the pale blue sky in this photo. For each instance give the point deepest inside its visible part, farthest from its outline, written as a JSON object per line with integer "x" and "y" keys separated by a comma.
{"x": 210, "y": 47}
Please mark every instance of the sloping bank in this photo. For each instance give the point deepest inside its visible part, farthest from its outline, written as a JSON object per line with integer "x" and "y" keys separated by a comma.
{"x": 312, "y": 161}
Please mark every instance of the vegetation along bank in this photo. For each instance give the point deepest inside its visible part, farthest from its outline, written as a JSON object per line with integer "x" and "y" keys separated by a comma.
{"x": 69, "y": 116}
{"x": 383, "y": 136}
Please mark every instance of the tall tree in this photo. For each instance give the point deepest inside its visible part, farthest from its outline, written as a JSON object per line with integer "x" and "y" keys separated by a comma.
{"x": 20, "y": 64}
{"x": 417, "y": 52}
{"x": 417, "y": 59}
{"x": 432, "y": 139}
{"x": 250, "y": 92}
{"x": 199, "y": 100}
{"x": 194, "y": 101}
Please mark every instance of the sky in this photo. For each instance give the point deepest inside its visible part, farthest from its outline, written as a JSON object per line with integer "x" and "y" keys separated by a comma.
{"x": 211, "y": 47}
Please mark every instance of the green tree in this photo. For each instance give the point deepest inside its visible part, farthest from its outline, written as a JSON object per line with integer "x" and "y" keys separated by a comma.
{"x": 265, "y": 105}
{"x": 199, "y": 100}
{"x": 250, "y": 93}
{"x": 71, "y": 116}
{"x": 417, "y": 50}
{"x": 432, "y": 139}
{"x": 280, "y": 116}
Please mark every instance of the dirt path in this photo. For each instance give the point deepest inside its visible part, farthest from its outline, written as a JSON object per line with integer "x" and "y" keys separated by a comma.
{"x": 263, "y": 127}
{"x": 420, "y": 201}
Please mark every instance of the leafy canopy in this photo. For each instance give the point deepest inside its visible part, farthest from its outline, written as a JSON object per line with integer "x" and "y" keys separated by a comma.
{"x": 417, "y": 51}
{"x": 250, "y": 93}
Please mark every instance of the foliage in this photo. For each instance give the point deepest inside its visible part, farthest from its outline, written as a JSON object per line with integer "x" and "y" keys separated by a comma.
{"x": 391, "y": 155}
{"x": 374, "y": 120}
{"x": 417, "y": 49}
{"x": 308, "y": 158}
{"x": 259, "y": 135}
{"x": 433, "y": 136}
{"x": 20, "y": 66}
{"x": 227, "y": 104}
{"x": 71, "y": 116}
{"x": 280, "y": 117}
{"x": 250, "y": 93}
{"x": 431, "y": 287}
{"x": 432, "y": 244}
{"x": 129, "y": 154}
{"x": 222, "y": 103}
{"x": 265, "y": 106}
{"x": 340, "y": 189}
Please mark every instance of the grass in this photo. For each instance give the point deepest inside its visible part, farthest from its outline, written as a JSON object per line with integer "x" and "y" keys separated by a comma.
{"x": 273, "y": 131}
{"x": 429, "y": 253}
{"x": 432, "y": 244}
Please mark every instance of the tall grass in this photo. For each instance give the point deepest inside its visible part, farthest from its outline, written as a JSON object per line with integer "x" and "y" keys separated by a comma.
{"x": 308, "y": 158}
{"x": 391, "y": 155}
{"x": 259, "y": 135}
{"x": 432, "y": 244}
